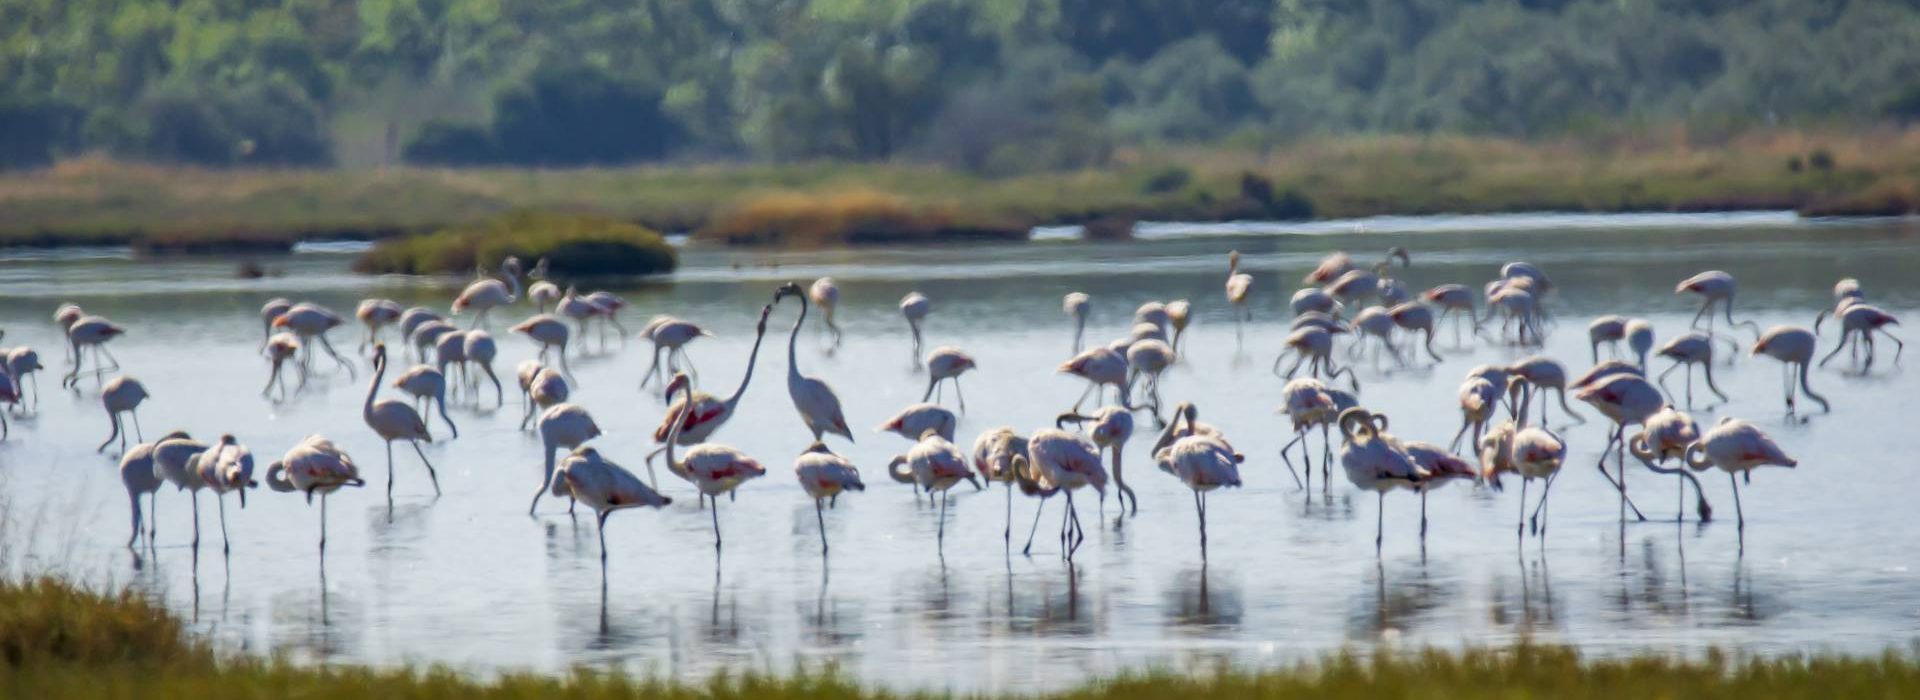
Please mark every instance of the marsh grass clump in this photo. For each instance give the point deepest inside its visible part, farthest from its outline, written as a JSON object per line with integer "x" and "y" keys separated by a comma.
{"x": 574, "y": 245}
{"x": 47, "y": 621}
{"x": 852, "y": 216}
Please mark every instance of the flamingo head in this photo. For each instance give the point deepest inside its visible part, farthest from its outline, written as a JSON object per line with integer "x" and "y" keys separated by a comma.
{"x": 790, "y": 289}
{"x": 679, "y": 382}
{"x": 1399, "y": 253}
{"x": 511, "y": 266}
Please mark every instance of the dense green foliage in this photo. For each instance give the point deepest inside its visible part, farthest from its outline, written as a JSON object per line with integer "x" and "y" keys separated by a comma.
{"x": 59, "y": 642}
{"x": 572, "y": 245}
{"x": 996, "y": 86}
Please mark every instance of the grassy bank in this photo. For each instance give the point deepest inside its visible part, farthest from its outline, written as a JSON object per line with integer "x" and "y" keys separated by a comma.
{"x": 572, "y": 244}
{"x": 58, "y": 641}
{"x": 1860, "y": 172}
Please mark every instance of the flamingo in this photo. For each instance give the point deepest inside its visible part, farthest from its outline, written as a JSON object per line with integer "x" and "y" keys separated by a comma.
{"x": 91, "y": 332}
{"x": 1374, "y": 462}
{"x": 826, "y": 295}
{"x": 281, "y": 348}
{"x": 1179, "y": 314}
{"x": 1331, "y": 267}
{"x": 487, "y": 294}
{"x": 1112, "y": 428}
{"x": 1076, "y": 305}
{"x": 1100, "y": 366}
{"x": 1313, "y": 346}
{"x": 1531, "y": 452}
{"x": 395, "y": 420}
{"x": 268, "y": 312}
{"x": 451, "y": 349}
{"x": 225, "y": 468}
{"x": 1665, "y": 436}
{"x": 672, "y": 335}
{"x": 574, "y": 306}
{"x": 1453, "y": 300}
{"x": 993, "y": 459}
{"x": 714, "y": 469}
{"x": 122, "y": 394}
{"x": 1152, "y": 312}
{"x": 1522, "y": 311}
{"x": 1847, "y": 288}
{"x": 1415, "y": 316}
{"x": 551, "y": 333}
{"x": 310, "y": 322}
{"x": 426, "y": 384}
{"x": 414, "y": 317}
{"x": 1736, "y": 446}
{"x": 1067, "y": 462}
{"x": 481, "y": 350}
{"x": 1625, "y": 399}
{"x": 1312, "y": 300}
{"x": 709, "y": 412}
{"x": 23, "y": 363}
{"x": 1201, "y": 460}
{"x": 1374, "y": 322}
{"x": 1640, "y": 340}
{"x": 1478, "y": 399}
{"x": 1603, "y": 371}
{"x": 818, "y": 406}
{"x": 604, "y": 486}
{"x": 1149, "y": 357}
{"x": 1858, "y": 322}
{"x": 935, "y": 466}
{"x": 546, "y": 388}
{"x": 915, "y": 307}
{"x": 140, "y": 478}
{"x": 376, "y": 314}
{"x": 1440, "y": 468}
{"x": 427, "y": 337}
{"x": 825, "y": 475}
{"x": 1609, "y": 329}
{"x": 948, "y": 363}
{"x": 9, "y": 394}
{"x": 542, "y": 292}
{"x": 1792, "y": 346}
{"x": 1238, "y": 285}
{"x": 916, "y": 420}
{"x": 562, "y": 426}
{"x": 1714, "y": 287}
{"x": 1543, "y": 373}
{"x": 1307, "y": 403}
{"x": 1694, "y": 348}
{"x": 314, "y": 467}
{"x": 609, "y": 305}
{"x": 175, "y": 459}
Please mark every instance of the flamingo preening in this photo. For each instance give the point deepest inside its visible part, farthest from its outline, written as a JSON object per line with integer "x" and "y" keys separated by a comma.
{"x": 604, "y": 486}
{"x": 935, "y": 466}
{"x": 315, "y": 467}
{"x": 1375, "y": 462}
{"x": 1201, "y": 459}
{"x": 1665, "y": 436}
{"x": 1736, "y": 446}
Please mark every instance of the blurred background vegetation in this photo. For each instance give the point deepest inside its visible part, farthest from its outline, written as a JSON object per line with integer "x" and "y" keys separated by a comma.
{"x": 994, "y": 87}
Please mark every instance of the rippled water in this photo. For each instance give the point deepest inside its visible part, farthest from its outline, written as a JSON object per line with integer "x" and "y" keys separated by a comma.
{"x": 470, "y": 581}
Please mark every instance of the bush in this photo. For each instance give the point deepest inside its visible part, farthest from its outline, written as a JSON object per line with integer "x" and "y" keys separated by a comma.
{"x": 1167, "y": 179}
{"x": 849, "y": 217}
{"x": 445, "y": 143}
{"x": 260, "y": 125}
{"x": 581, "y": 116}
{"x": 1821, "y": 159}
{"x": 30, "y": 131}
{"x": 574, "y": 245}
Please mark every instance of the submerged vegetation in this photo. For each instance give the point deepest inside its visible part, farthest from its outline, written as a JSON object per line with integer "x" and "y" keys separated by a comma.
{"x": 573, "y": 245}
{"x": 59, "y": 641}
{"x": 1875, "y": 171}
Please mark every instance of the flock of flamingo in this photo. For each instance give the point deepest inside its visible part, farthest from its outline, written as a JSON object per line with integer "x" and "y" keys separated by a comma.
{"x": 1503, "y": 429}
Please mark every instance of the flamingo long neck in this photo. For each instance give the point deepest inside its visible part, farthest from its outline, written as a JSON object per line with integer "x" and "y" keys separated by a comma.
{"x": 673, "y": 433}
{"x": 753, "y": 358}
{"x": 513, "y": 282}
{"x": 373, "y": 387}
{"x": 1808, "y": 390}
{"x": 793, "y": 340}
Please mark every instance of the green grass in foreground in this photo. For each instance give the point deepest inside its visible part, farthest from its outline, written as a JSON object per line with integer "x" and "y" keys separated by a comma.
{"x": 572, "y": 245}
{"x": 1871, "y": 171}
{"x": 58, "y": 641}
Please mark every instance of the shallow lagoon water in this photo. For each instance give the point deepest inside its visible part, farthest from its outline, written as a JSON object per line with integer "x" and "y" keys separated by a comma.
{"x": 468, "y": 580}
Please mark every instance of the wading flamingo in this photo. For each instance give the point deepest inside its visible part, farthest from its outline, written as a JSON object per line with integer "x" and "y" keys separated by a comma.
{"x": 311, "y": 322}
{"x": 1792, "y": 346}
{"x": 281, "y": 348}
{"x": 714, "y": 469}
{"x": 1454, "y": 300}
{"x": 1609, "y": 330}
{"x": 936, "y": 466}
{"x": 314, "y": 467}
{"x": 22, "y": 363}
{"x": 1415, "y": 316}
{"x": 564, "y": 426}
{"x": 824, "y": 476}
{"x": 1858, "y": 322}
{"x": 1665, "y": 436}
{"x": 1625, "y": 399}
{"x": 427, "y": 385}
{"x": 268, "y": 312}
{"x": 993, "y": 460}
{"x": 1067, "y": 462}
{"x": 1179, "y": 314}
{"x": 91, "y": 332}
{"x": 826, "y": 295}
{"x": 709, "y": 411}
{"x": 1694, "y": 348}
{"x": 1714, "y": 287}
{"x": 1736, "y": 446}
{"x": 395, "y": 420}
{"x": 1100, "y": 366}
{"x": 1238, "y": 285}
{"x": 1076, "y": 305}
{"x": 137, "y": 473}
{"x": 226, "y": 468}
{"x": 915, "y": 307}
{"x": 947, "y": 363}
{"x": 375, "y": 314}
{"x": 671, "y": 335}
{"x": 818, "y": 406}
{"x": 1201, "y": 460}
{"x": 1112, "y": 428}
{"x": 551, "y": 333}
{"x": 1541, "y": 373}
{"x": 122, "y": 394}
{"x": 605, "y": 487}
{"x": 1374, "y": 462}
{"x": 488, "y": 294}
{"x": 481, "y": 350}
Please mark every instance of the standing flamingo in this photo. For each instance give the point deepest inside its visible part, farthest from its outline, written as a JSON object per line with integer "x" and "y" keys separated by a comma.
{"x": 268, "y": 312}
{"x": 426, "y": 384}
{"x": 311, "y": 322}
{"x": 671, "y": 335}
{"x": 1792, "y": 346}
{"x": 1439, "y": 467}
{"x": 1306, "y": 402}
{"x": 1076, "y": 305}
{"x": 1736, "y": 446}
{"x": 1694, "y": 348}
{"x": 1714, "y": 287}
{"x": 562, "y": 426}
{"x": 1150, "y": 358}
{"x": 915, "y": 307}
{"x": 1238, "y": 285}
{"x": 709, "y": 412}
{"x": 948, "y": 363}
{"x": 480, "y": 350}
{"x": 395, "y": 420}
{"x": 225, "y": 468}
{"x": 936, "y": 466}
{"x": 122, "y": 394}
{"x": 487, "y": 294}
{"x": 605, "y": 487}
{"x": 825, "y": 475}
{"x": 551, "y": 333}
{"x": 137, "y": 473}
{"x": 1665, "y": 436}
{"x": 375, "y": 314}
{"x": 826, "y": 295}
{"x": 1201, "y": 460}
{"x": 175, "y": 459}
{"x": 818, "y": 406}
{"x": 1374, "y": 462}
{"x": 714, "y": 469}
{"x": 314, "y": 467}
{"x": 1112, "y": 428}
{"x": 91, "y": 332}
{"x": 993, "y": 459}
{"x": 1625, "y": 399}
{"x": 1101, "y": 367}
{"x": 1531, "y": 452}
{"x": 1068, "y": 463}
{"x": 280, "y": 349}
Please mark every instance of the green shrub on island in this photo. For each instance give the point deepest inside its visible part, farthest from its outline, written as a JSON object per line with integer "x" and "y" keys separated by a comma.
{"x": 574, "y": 245}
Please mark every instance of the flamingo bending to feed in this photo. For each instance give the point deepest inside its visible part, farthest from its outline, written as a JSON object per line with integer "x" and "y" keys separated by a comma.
{"x": 1112, "y": 428}
{"x": 375, "y": 314}
{"x": 1307, "y": 403}
{"x": 311, "y": 322}
{"x": 714, "y": 469}
{"x": 551, "y": 333}
{"x": 1694, "y": 348}
{"x": 1625, "y": 399}
{"x": 1640, "y": 340}
{"x": 122, "y": 394}
{"x": 314, "y": 467}
{"x": 1179, "y": 314}
{"x": 818, "y": 406}
{"x": 1453, "y": 300}
{"x": 1543, "y": 373}
{"x": 671, "y": 335}
{"x": 490, "y": 293}
{"x": 1736, "y": 446}
{"x": 609, "y": 305}
{"x": 1714, "y": 287}
{"x": 944, "y": 363}
{"x": 426, "y": 384}
{"x": 395, "y": 420}
{"x": 709, "y": 411}
{"x": 563, "y": 426}
{"x": 1665, "y": 436}
{"x": 91, "y": 332}
{"x": 1532, "y": 453}
{"x": 414, "y": 317}
{"x": 1100, "y": 366}
{"x": 916, "y": 420}
{"x": 1076, "y": 304}
{"x": 1858, "y": 322}
{"x": 1149, "y": 357}
{"x": 993, "y": 459}
{"x": 268, "y": 312}
{"x": 915, "y": 307}
{"x": 137, "y": 473}
{"x": 1415, "y": 316}
{"x": 1792, "y": 346}
{"x": 826, "y": 295}
{"x": 176, "y": 460}
{"x": 23, "y": 363}
{"x": 824, "y": 476}
{"x": 1373, "y": 322}
{"x": 604, "y": 486}
{"x": 280, "y": 349}
{"x": 1201, "y": 459}
{"x": 451, "y": 349}
{"x": 1478, "y": 399}
{"x": 1313, "y": 346}
{"x": 481, "y": 350}
{"x": 545, "y": 389}
{"x": 1609, "y": 329}
{"x": 1067, "y": 462}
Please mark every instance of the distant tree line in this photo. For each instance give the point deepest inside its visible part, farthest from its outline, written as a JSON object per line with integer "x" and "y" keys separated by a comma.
{"x": 989, "y": 85}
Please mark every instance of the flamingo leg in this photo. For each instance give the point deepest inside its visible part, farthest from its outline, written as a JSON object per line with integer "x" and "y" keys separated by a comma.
{"x": 716, "y": 525}
{"x": 335, "y": 354}
{"x": 226, "y": 546}
{"x": 1042, "y": 508}
{"x": 435, "y": 477}
{"x": 1520, "y": 529}
{"x": 1299, "y": 436}
{"x": 196, "y": 520}
{"x": 1379, "y": 522}
{"x": 114, "y": 419}
{"x": 390, "y": 478}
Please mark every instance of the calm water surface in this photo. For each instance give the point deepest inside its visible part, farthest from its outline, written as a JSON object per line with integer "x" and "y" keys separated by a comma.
{"x": 468, "y": 580}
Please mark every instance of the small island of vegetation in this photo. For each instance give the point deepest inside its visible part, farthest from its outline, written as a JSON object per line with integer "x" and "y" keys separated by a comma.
{"x": 573, "y": 245}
